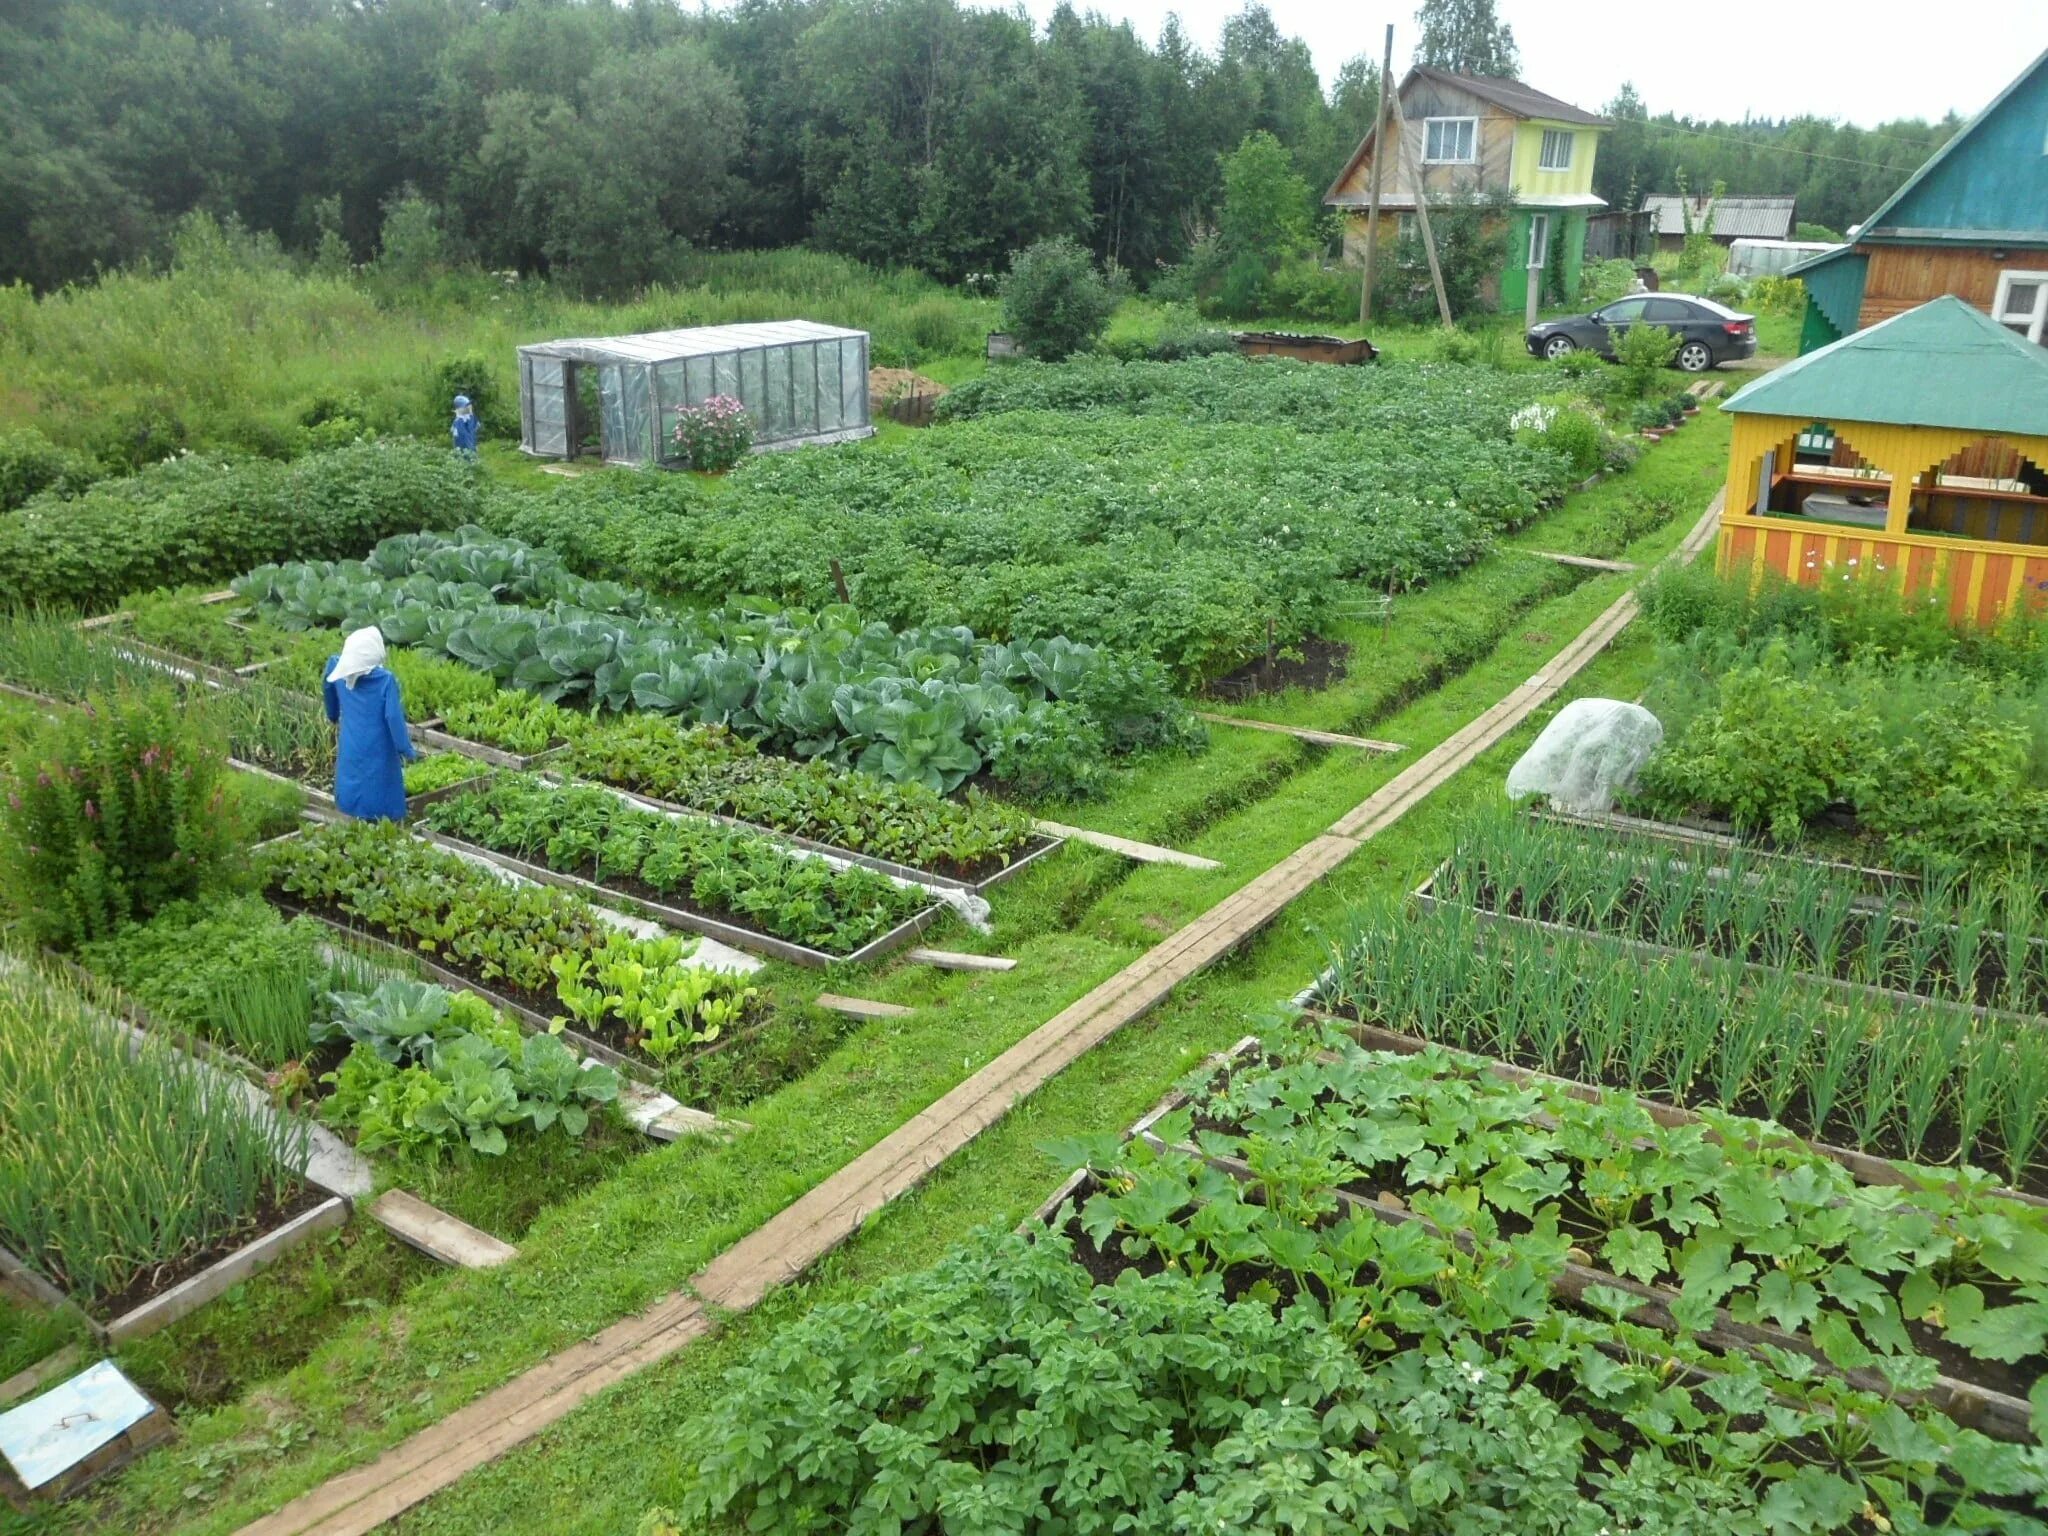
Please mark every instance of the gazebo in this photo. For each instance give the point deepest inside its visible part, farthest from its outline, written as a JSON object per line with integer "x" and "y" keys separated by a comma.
{"x": 1917, "y": 448}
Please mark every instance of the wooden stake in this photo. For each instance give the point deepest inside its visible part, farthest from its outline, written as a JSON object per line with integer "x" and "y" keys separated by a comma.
{"x": 1411, "y": 157}
{"x": 1269, "y": 645}
{"x": 839, "y": 581}
{"x": 1372, "y": 218}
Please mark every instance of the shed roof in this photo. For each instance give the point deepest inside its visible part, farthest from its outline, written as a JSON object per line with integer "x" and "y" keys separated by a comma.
{"x": 1511, "y": 96}
{"x": 698, "y": 341}
{"x": 1941, "y": 365}
{"x": 1986, "y": 202}
{"x": 1761, "y": 218}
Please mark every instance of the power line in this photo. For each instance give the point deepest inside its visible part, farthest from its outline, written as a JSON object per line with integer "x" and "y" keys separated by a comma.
{"x": 1792, "y": 149}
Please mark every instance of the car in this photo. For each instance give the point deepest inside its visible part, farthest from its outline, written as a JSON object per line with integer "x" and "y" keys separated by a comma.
{"x": 1708, "y": 333}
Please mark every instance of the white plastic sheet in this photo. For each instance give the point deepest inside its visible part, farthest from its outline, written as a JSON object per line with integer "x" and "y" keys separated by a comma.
{"x": 1586, "y": 756}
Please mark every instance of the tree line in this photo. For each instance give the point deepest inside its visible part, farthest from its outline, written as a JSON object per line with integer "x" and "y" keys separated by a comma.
{"x": 588, "y": 140}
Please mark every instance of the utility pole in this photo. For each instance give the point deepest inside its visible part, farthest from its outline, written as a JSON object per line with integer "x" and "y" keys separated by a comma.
{"x": 1379, "y": 144}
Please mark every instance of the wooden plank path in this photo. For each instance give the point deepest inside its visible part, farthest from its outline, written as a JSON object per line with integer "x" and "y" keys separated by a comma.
{"x": 1303, "y": 733}
{"x": 354, "y": 1503}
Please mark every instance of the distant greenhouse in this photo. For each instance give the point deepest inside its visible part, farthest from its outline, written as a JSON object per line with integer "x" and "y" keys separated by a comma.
{"x": 617, "y": 395}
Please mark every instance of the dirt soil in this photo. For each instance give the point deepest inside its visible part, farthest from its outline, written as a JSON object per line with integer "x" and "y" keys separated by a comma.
{"x": 890, "y": 384}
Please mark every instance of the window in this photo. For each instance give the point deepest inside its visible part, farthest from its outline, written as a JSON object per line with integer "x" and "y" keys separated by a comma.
{"x": 1668, "y": 312}
{"x": 1539, "y": 239}
{"x": 2022, "y": 302}
{"x": 1450, "y": 140}
{"x": 1404, "y": 226}
{"x": 1622, "y": 312}
{"x": 1557, "y": 150}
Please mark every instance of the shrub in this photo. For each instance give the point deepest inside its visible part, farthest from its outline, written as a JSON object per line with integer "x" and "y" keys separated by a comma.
{"x": 31, "y": 464}
{"x": 1774, "y": 295}
{"x": 1567, "y": 431}
{"x": 471, "y": 374}
{"x": 1312, "y": 291}
{"x": 1452, "y": 346}
{"x": 1606, "y": 281}
{"x": 1054, "y": 301}
{"x": 192, "y": 520}
{"x": 1644, "y": 352}
{"x": 1580, "y": 365}
{"x": 113, "y": 812}
{"x": 714, "y": 435}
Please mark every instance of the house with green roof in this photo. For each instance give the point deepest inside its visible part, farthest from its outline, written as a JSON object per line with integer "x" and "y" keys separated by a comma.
{"x": 1972, "y": 222}
{"x": 1936, "y": 477}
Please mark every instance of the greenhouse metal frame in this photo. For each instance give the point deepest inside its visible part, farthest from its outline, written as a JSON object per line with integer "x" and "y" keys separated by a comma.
{"x": 801, "y": 383}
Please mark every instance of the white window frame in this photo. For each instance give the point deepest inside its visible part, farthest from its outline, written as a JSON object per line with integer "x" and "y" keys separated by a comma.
{"x": 1463, "y": 126}
{"x": 2030, "y": 323}
{"x": 1539, "y": 248}
{"x": 1563, "y": 136}
{"x": 1404, "y": 226}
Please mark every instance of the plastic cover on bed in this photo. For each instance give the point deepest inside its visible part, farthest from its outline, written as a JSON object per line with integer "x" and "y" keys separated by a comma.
{"x": 1590, "y": 753}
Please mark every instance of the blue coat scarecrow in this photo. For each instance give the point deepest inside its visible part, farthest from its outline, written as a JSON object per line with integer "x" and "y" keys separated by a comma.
{"x": 362, "y": 698}
{"x": 464, "y": 428}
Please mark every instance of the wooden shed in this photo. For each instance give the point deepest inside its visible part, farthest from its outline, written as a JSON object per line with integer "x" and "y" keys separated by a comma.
{"x": 1912, "y": 451}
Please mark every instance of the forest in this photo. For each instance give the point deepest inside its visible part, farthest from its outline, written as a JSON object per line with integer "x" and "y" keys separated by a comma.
{"x": 595, "y": 142}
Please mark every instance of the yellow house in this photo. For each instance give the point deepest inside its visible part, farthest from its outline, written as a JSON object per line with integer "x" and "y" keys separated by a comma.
{"x": 1476, "y": 134}
{"x": 1914, "y": 452}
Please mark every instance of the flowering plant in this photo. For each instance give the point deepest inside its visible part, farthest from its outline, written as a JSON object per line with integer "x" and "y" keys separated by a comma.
{"x": 112, "y": 812}
{"x": 713, "y": 436}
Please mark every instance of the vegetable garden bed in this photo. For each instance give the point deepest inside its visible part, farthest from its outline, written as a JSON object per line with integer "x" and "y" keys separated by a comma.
{"x": 523, "y": 949}
{"x": 1976, "y": 947}
{"x": 1672, "y": 1214}
{"x": 1919, "y": 1083}
{"x": 609, "y": 847}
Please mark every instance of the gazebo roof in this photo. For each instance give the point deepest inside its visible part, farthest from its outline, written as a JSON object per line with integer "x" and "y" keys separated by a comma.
{"x": 1941, "y": 365}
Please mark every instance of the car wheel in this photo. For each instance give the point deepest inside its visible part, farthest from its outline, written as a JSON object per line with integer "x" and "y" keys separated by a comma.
{"x": 1559, "y": 346}
{"x": 1695, "y": 357}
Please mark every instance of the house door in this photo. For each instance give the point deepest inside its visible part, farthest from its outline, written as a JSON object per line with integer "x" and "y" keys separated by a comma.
{"x": 547, "y": 406}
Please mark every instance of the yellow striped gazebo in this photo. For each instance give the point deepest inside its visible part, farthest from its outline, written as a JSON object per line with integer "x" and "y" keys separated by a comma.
{"x": 1916, "y": 449}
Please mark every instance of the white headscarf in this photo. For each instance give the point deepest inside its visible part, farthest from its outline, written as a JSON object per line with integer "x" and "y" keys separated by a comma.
{"x": 361, "y": 653}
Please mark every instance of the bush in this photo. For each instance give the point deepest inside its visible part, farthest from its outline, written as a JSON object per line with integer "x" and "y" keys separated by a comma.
{"x": 1567, "y": 431}
{"x": 112, "y": 813}
{"x": 1774, "y": 295}
{"x": 1312, "y": 291}
{"x": 466, "y": 373}
{"x": 713, "y": 436}
{"x": 191, "y": 520}
{"x": 1606, "y": 281}
{"x": 31, "y": 464}
{"x": 1054, "y": 301}
{"x": 1644, "y": 352}
{"x": 1452, "y": 346}
{"x": 1580, "y": 365}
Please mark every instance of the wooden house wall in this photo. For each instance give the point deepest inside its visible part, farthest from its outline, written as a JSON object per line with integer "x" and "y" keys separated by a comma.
{"x": 1426, "y": 99}
{"x": 1903, "y": 277}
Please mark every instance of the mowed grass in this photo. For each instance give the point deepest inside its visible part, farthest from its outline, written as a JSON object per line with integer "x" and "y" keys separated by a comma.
{"x": 1070, "y": 923}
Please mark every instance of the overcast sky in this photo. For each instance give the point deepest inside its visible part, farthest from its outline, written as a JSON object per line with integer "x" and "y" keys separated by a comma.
{"x": 1862, "y": 61}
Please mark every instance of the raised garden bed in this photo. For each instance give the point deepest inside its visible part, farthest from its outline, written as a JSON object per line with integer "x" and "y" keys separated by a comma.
{"x": 499, "y": 812}
{"x": 1547, "y": 1131}
{"x": 176, "y": 1291}
{"x": 1775, "y": 918}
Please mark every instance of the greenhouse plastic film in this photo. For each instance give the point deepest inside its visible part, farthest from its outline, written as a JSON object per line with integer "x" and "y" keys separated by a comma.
{"x": 1590, "y": 753}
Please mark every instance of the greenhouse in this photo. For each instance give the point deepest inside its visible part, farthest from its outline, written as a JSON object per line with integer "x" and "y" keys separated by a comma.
{"x": 615, "y": 397}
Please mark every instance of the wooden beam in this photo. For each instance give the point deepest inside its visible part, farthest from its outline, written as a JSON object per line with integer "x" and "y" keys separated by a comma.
{"x": 951, "y": 960}
{"x": 1303, "y": 733}
{"x": 1584, "y": 562}
{"x": 861, "y": 1007}
{"x": 1144, "y": 853}
{"x": 438, "y": 1235}
{"x": 23, "y": 1384}
{"x": 218, "y": 1279}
